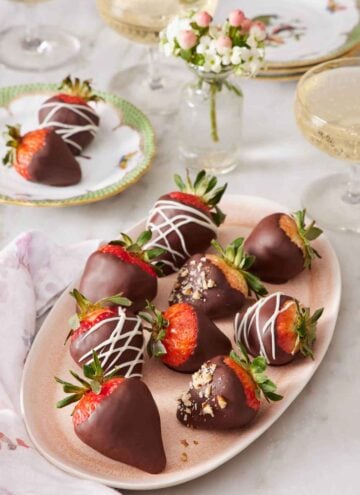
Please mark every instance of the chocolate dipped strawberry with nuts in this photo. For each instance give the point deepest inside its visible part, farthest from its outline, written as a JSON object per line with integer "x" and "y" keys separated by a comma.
{"x": 225, "y": 393}
{"x": 278, "y": 328}
{"x": 110, "y": 329}
{"x": 70, "y": 114}
{"x": 183, "y": 337}
{"x": 217, "y": 283}
{"x": 281, "y": 244}
{"x": 184, "y": 222}
{"x": 41, "y": 156}
{"x": 117, "y": 417}
{"x": 122, "y": 266}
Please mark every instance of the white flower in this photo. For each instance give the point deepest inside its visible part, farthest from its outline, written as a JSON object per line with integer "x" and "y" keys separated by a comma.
{"x": 176, "y": 25}
{"x": 224, "y": 50}
{"x": 212, "y": 63}
{"x": 257, "y": 33}
{"x": 204, "y": 45}
{"x": 226, "y": 59}
{"x": 235, "y": 57}
{"x": 168, "y": 49}
{"x": 252, "y": 60}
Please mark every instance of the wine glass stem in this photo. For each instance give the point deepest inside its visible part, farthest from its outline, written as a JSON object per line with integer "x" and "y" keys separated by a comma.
{"x": 32, "y": 40}
{"x": 352, "y": 194}
{"x": 154, "y": 76}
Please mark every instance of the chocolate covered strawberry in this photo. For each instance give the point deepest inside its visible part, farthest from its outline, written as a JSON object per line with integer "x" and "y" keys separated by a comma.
{"x": 117, "y": 417}
{"x": 112, "y": 330}
{"x": 122, "y": 266}
{"x": 41, "y": 156}
{"x": 281, "y": 244}
{"x": 217, "y": 283}
{"x": 225, "y": 393}
{"x": 184, "y": 222}
{"x": 183, "y": 337}
{"x": 70, "y": 114}
{"x": 278, "y": 328}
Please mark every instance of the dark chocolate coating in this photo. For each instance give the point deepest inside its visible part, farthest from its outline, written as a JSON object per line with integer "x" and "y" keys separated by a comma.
{"x": 217, "y": 302}
{"x": 54, "y": 164}
{"x": 68, "y": 117}
{"x": 225, "y": 384}
{"x": 197, "y": 238}
{"x": 278, "y": 259}
{"x": 126, "y": 427}
{"x": 106, "y": 275}
{"x": 88, "y": 341}
{"x": 210, "y": 342}
{"x": 253, "y": 347}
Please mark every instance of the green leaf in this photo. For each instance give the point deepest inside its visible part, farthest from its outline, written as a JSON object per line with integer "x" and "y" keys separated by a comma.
{"x": 313, "y": 233}
{"x": 118, "y": 300}
{"x": 158, "y": 349}
{"x": 79, "y": 379}
{"x": 273, "y": 396}
{"x": 70, "y": 399}
{"x": 95, "y": 387}
{"x": 179, "y": 182}
{"x": 88, "y": 371}
{"x": 259, "y": 364}
{"x": 144, "y": 238}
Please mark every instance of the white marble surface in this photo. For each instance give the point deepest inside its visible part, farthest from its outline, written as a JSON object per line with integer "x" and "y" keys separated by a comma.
{"x": 314, "y": 448}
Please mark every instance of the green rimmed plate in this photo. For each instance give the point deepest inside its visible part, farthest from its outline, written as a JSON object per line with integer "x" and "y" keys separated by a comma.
{"x": 119, "y": 155}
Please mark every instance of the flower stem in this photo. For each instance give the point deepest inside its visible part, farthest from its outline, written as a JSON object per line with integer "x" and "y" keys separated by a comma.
{"x": 213, "y": 119}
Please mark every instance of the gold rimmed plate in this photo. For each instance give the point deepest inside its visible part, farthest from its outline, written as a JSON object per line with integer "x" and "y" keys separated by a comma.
{"x": 120, "y": 154}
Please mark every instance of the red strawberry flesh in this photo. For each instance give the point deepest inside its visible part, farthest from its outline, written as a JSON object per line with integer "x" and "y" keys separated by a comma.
{"x": 190, "y": 200}
{"x": 90, "y": 400}
{"x": 92, "y": 319}
{"x": 72, "y": 99}
{"x": 126, "y": 257}
{"x": 181, "y": 334}
{"x": 247, "y": 383}
{"x": 30, "y": 144}
{"x": 286, "y": 328}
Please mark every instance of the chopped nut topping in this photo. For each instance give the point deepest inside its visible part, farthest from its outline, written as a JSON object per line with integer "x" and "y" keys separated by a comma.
{"x": 211, "y": 283}
{"x": 185, "y": 443}
{"x": 207, "y": 391}
{"x": 203, "y": 376}
{"x": 207, "y": 409}
{"x": 185, "y": 399}
{"x": 196, "y": 295}
{"x": 184, "y": 457}
{"x": 184, "y": 273}
{"x": 195, "y": 442}
{"x": 221, "y": 401}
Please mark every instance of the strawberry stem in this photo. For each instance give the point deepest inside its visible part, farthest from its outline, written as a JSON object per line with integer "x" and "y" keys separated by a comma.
{"x": 81, "y": 89}
{"x": 158, "y": 325}
{"x": 204, "y": 188}
{"x": 235, "y": 257}
{"x": 307, "y": 233}
{"x": 256, "y": 369}
{"x": 306, "y": 329}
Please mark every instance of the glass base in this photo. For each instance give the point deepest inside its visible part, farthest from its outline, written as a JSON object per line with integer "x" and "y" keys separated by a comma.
{"x": 214, "y": 163}
{"x": 324, "y": 202}
{"x": 49, "y": 49}
{"x": 160, "y": 96}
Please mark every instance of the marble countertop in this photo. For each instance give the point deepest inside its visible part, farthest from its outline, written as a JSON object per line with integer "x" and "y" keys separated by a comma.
{"x": 314, "y": 448}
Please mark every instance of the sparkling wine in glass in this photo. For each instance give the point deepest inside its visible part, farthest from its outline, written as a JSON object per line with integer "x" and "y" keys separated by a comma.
{"x": 35, "y": 47}
{"x": 155, "y": 85}
{"x": 327, "y": 110}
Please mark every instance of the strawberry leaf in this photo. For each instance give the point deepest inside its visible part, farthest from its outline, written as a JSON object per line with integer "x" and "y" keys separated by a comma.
{"x": 307, "y": 234}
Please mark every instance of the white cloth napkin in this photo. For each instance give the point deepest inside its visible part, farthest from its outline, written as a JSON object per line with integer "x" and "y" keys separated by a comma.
{"x": 33, "y": 271}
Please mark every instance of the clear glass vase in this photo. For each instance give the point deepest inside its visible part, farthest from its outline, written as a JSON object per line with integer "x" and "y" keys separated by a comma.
{"x": 210, "y": 122}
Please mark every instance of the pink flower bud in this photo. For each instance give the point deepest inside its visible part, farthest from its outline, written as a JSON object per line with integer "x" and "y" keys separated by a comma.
{"x": 260, "y": 25}
{"x": 203, "y": 19}
{"x": 246, "y": 24}
{"x": 236, "y": 18}
{"x": 223, "y": 42}
{"x": 187, "y": 39}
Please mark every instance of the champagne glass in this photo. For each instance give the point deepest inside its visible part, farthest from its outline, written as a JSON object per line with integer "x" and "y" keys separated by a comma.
{"x": 36, "y": 47}
{"x": 327, "y": 110}
{"x": 153, "y": 86}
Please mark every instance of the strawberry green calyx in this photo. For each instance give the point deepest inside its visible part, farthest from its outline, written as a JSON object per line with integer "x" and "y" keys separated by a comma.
{"x": 306, "y": 329}
{"x": 204, "y": 188}
{"x": 95, "y": 379}
{"x": 235, "y": 256}
{"x": 82, "y": 89}
{"x": 86, "y": 307}
{"x": 157, "y": 327}
{"x": 307, "y": 233}
{"x": 256, "y": 369}
{"x": 13, "y": 138}
{"x": 137, "y": 248}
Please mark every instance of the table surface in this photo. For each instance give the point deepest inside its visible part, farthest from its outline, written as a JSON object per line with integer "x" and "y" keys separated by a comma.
{"x": 314, "y": 448}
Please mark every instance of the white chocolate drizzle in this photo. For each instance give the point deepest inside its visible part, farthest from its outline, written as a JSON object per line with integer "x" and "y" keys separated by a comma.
{"x": 252, "y": 315}
{"x": 161, "y": 231}
{"x": 68, "y": 131}
{"x": 118, "y": 343}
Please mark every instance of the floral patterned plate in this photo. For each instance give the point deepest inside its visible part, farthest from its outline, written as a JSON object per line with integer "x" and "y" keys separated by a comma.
{"x": 119, "y": 155}
{"x": 305, "y": 32}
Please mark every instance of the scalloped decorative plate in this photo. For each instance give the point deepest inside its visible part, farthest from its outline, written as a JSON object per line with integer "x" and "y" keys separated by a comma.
{"x": 120, "y": 154}
{"x": 306, "y": 32}
{"x": 51, "y": 429}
